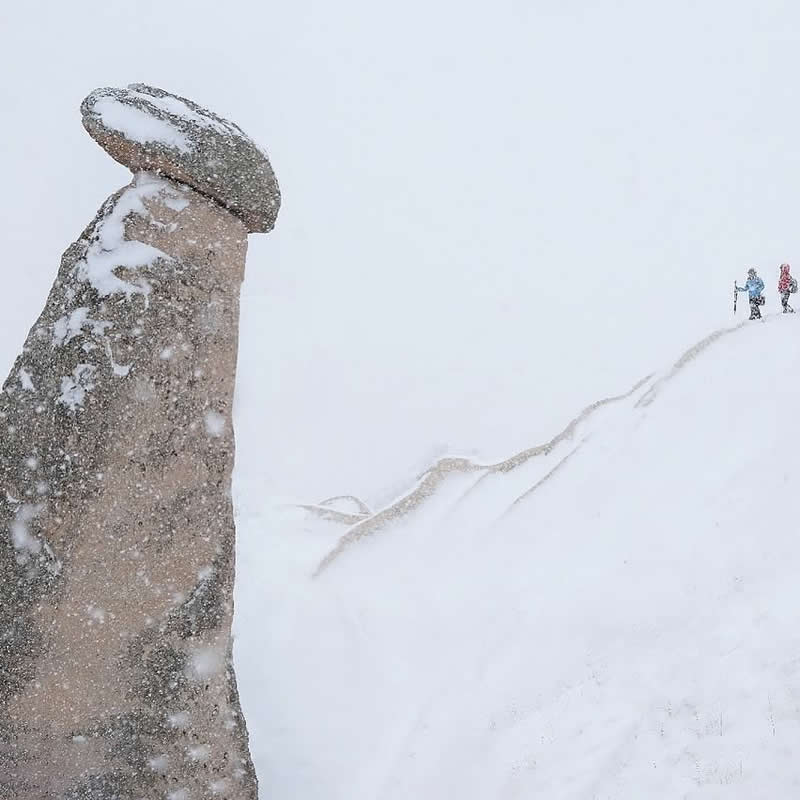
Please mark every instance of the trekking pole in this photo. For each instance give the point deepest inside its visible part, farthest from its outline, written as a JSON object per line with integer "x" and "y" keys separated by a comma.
{"x": 735, "y": 296}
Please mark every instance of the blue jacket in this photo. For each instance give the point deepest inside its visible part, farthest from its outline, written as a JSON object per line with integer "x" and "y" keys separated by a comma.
{"x": 753, "y": 287}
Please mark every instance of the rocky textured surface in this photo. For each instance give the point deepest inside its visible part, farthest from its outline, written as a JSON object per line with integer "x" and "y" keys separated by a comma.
{"x": 116, "y": 524}
{"x": 146, "y": 128}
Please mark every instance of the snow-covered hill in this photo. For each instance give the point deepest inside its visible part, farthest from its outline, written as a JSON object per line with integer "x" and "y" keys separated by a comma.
{"x": 612, "y": 614}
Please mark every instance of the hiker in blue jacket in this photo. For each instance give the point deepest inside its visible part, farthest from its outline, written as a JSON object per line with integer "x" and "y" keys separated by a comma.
{"x": 753, "y": 287}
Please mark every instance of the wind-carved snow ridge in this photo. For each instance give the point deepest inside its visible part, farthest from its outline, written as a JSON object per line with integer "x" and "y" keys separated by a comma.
{"x": 432, "y": 478}
{"x": 345, "y": 509}
{"x": 109, "y": 251}
{"x": 547, "y": 476}
{"x": 687, "y": 357}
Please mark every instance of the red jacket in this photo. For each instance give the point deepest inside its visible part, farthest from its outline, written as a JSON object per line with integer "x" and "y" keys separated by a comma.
{"x": 786, "y": 279}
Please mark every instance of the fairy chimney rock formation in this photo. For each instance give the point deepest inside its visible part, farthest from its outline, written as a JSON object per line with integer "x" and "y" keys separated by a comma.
{"x": 116, "y": 524}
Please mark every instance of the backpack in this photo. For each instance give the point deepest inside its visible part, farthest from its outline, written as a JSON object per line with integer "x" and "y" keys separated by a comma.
{"x": 792, "y": 285}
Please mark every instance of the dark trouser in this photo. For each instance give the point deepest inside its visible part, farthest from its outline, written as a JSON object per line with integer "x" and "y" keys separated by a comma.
{"x": 755, "y": 311}
{"x": 785, "y": 303}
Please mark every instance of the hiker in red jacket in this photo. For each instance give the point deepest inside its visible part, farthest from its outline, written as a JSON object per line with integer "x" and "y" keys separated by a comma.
{"x": 786, "y": 285}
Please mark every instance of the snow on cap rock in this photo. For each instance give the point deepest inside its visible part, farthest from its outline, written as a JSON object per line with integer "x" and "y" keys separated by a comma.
{"x": 145, "y": 128}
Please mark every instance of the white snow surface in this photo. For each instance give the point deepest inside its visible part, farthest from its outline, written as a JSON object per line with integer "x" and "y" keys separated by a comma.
{"x": 610, "y": 616}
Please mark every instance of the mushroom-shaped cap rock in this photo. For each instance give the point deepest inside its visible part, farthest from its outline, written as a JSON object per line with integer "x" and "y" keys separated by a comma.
{"x": 146, "y": 128}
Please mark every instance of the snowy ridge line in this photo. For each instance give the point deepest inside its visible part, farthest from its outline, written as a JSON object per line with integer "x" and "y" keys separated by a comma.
{"x": 528, "y": 492}
{"x": 432, "y": 478}
{"x": 332, "y": 515}
{"x": 362, "y": 506}
{"x": 688, "y": 357}
{"x": 325, "y": 509}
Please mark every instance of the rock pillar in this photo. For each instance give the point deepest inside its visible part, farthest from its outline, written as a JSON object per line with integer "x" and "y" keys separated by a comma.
{"x": 116, "y": 524}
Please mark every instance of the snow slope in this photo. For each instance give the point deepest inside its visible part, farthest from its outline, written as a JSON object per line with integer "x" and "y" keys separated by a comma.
{"x": 612, "y": 614}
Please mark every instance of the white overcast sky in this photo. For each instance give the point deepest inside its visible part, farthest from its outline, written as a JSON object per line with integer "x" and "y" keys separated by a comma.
{"x": 494, "y": 213}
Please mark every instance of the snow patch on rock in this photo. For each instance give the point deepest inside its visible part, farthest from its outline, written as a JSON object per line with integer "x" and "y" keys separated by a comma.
{"x": 176, "y": 106}
{"x": 66, "y": 328}
{"x": 159, "y": 764}
{"x": 26, "y": 381}
{"x": 74, "y": 387}
{"x": 120, "y": 370}
{"x": 215, "y": 423}
{"x": 180, "y": 720}
{"x": 24, "y": 542}
{"x": 138, "y": 125}
{"x": 110, "y": 250}
{"x": 200, "y": 752}
{"x": 205, "y": 662}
